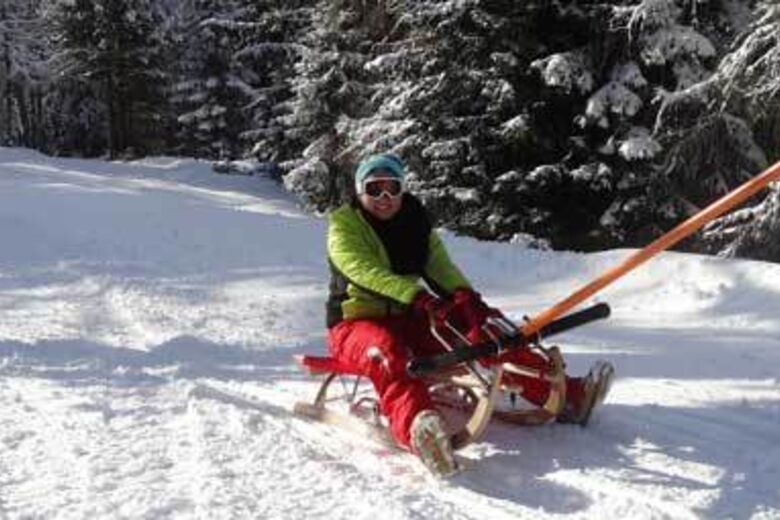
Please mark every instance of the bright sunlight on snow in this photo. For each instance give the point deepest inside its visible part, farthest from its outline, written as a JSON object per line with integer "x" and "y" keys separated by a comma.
{"x": 137, "y": 298}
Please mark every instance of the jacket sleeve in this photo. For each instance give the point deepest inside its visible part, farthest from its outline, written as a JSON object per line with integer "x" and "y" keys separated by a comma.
{"x": 440, "y": 269}
{"x": 362, "y": 263}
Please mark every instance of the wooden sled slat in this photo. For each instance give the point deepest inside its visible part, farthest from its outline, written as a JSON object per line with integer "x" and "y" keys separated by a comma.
{"x": 475, "y": 426}
{"x": 349, "y": 422}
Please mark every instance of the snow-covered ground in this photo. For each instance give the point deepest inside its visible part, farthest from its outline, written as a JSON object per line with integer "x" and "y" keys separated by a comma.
{"x": 129, "y": 292}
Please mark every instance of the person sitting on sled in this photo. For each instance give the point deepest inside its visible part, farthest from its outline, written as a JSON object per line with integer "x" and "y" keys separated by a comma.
{"x": 381, "y": 245}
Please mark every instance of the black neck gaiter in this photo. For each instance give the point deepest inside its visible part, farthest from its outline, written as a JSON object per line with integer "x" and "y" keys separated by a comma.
{"x": 405, "y": 236}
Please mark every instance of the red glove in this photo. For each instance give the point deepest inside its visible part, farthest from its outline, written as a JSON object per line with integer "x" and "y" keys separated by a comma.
{"x": 474, "y": 312}
{"x": 429, "y": 306}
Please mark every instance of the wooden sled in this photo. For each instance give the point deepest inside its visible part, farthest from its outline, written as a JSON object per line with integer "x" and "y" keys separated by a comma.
{"x": 467, "y": 391}
{"x": 456, "y": 390}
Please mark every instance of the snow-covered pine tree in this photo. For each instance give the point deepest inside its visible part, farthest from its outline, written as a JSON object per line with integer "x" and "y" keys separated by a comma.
{"x": 73, "y": 117}
{"x": 588, "y": 124}
{"x": 330, "y": 91}
{"x": 380, "y": 76}
{"x": 112, "y": 46}
{"x": 747, "y": 95}
{"x": 528, "y": 117}
{"x": 23, "y": 74}
{"x": 207, "y": 100}
{"x": 267, "y": 52}
{"x": 470, "y": 126}
{"x": 648, "y": 51}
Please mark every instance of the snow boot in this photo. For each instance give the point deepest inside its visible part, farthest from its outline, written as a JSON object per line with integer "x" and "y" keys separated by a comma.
{"x": 595, "y": 387}
{"x": 432, "y": 443}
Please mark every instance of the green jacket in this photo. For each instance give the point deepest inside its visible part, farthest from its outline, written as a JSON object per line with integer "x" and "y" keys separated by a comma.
{"x": 363, "y": 284}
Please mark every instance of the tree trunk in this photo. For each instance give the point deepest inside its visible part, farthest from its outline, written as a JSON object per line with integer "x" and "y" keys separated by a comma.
{"x": 126, "y": 123}
{"x": 24, "y": 116}
{"x": 5, "y": 88}
{"x": 39, "y": 121}
{"x": 112, "y": 133}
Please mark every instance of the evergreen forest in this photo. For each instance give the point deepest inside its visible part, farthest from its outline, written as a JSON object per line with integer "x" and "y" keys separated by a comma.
{"x": 578, "y": 125}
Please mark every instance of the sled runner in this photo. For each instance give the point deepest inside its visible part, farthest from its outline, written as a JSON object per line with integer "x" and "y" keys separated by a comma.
{"x": 468, "y": 393}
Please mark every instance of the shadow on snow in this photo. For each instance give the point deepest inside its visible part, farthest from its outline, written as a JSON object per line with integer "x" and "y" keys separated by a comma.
{"x": 734, "y": 444}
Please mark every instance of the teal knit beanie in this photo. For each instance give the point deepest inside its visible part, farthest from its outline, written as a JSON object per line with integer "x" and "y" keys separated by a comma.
{"x": 388, "y": 162}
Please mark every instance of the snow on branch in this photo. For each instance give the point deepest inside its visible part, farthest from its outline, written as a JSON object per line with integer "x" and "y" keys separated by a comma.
{"x": 612, "y": 98}
{"x": 566, "y": 70}
{"x": 639, "y": 145}
{"x": 654, "y": 26}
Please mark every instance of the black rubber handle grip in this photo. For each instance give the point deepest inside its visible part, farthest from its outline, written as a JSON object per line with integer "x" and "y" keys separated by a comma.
{"x": 599, "y": 311}
{"x": 421, "y": 366}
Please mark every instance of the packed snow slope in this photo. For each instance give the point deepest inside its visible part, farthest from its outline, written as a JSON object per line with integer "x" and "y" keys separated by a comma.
{"x": 149, "y": 313}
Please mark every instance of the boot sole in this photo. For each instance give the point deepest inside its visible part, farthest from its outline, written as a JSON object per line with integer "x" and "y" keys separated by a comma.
{"x": 601, "y": 387}
{"x": 432, "y": 454}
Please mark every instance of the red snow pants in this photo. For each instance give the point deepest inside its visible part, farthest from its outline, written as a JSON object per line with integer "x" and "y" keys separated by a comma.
{"x": 380, "y": 349}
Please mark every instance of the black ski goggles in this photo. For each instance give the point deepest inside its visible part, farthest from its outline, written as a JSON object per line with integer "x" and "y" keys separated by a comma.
{"x": 375, "y": 188}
